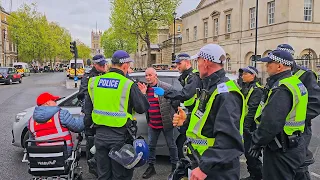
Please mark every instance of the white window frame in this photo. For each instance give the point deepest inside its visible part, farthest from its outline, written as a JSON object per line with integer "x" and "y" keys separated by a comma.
{"x": 195, "y": 32}
{"x": 271, "y": 12}
{"x": 228, "y": 23}
{"x": 308, "y": 10}
{"x": 205, "y": 28}
{"x": 179, "y": 28}
{"x": 216, "y": 26}
{"x": 187, "y": 34}
{"x": 252, "y": 17}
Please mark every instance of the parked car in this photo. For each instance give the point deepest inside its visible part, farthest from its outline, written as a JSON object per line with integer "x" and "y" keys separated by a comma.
{"x": 72, "y": 104}
{"x": 8, "y": 75}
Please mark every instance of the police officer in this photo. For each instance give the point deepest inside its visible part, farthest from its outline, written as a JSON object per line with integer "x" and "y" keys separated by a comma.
{"x": 281, "y": 120}
{"x": 309, "y": 79}
{"x": 189, "y": 80}
{"x": 216, "y": 123}
{"x": 99, "y": 68}
{"x": 112, "y": 100}
{"x": 252, "y": 92}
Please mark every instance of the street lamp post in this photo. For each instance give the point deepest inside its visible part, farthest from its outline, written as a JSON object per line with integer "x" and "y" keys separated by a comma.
{"x": 256, "y": 37}
{"x": 174, "y": 36}
{"x": 4, "y": 46}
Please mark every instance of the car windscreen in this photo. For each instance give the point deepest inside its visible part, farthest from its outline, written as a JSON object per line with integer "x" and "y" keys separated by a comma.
{"x": 170, "y": 80}
{"x": 79, "y": 65}
{"x": 3, "y": 70}
{"x": 18, "y": 66}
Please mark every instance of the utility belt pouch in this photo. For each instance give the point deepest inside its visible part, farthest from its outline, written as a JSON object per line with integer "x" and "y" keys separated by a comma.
{"x": 293, "y": 140}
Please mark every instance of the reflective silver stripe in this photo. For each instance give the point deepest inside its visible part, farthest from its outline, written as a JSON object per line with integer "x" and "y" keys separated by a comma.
{"x": 125, "y": 89}
{"x": 57, "y": 122}
{"x": 52, "y": 136}
{"x": 299, "y": 73}
{"x": 113, "y": 114}
{"x": 92, "y": 88}
{"x": 198, "y": 141}
{"x": 55, "y": 143}
{"x": 296, "y": 99}
{"x": 46, "y": 154}
{"x": 295, "y": 123}
{"x": 47, "y": 169}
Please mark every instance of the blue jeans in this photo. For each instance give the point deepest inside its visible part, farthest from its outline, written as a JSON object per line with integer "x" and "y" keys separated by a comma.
{"x": 153, "y": 135}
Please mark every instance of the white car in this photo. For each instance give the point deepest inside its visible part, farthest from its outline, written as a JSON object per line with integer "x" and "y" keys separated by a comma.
{"x": 72, "y": 104}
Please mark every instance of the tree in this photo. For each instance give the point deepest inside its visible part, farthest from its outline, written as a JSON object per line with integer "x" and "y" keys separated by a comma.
{"x": 142, "y": 18}
{"x": 112, "y": 41}
{"x": 83, "y": 50}
{"x": 38, "y": 39}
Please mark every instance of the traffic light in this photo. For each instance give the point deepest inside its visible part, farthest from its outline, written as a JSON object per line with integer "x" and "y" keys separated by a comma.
{"x": 73, "y": 48}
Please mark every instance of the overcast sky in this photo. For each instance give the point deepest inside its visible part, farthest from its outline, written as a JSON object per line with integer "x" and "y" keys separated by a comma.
{"x": 80, "y": 16}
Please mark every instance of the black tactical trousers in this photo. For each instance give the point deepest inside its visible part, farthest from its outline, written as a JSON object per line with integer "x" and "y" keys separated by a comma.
{"x": 279, "y": 165}
{"x": 254, "y": 165}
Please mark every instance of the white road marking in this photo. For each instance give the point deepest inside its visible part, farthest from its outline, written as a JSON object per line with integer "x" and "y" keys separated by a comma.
{"x": 315, "y": 174}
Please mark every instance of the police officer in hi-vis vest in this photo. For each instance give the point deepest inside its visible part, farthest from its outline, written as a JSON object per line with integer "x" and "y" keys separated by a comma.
{"x": 252, "y": 92}
{"x": 190, "y": 81}
{"x": 112, "y": 100}
{"x": 309, "y": 79}
{"x": 281, "y": 120}
{"x": 215, "y": 125}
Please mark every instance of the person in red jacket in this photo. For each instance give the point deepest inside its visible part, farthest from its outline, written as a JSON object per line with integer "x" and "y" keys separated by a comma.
{"x": 50, "y": 122}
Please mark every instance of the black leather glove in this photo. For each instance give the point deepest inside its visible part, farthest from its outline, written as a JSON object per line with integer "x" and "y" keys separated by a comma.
{"x": 89, "y": 131}
{"x": 255, "y": 151}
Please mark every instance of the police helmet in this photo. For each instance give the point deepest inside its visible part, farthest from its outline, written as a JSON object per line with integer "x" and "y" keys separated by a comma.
{"x": 130, "y": 156}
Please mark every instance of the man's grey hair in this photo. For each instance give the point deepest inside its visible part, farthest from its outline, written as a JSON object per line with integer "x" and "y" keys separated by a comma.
{"x": 152, "y": 70}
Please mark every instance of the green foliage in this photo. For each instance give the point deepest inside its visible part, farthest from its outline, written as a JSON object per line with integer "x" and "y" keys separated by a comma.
{"x": 83, "y": 51}
{"x": 37, "y": 38}
{"x": 112, "y": 41}
{"x": 142, "y": 17}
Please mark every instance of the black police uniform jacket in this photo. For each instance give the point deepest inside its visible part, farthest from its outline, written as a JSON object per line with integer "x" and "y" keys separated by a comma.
{"x": 222, "y": 124}
{"x": 310, "y": 82}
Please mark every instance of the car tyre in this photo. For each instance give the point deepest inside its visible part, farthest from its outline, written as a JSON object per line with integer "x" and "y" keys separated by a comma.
{"x": 25, "y": 138}
{"x": 9, "y": 82}
{"x": 20, "y": 80}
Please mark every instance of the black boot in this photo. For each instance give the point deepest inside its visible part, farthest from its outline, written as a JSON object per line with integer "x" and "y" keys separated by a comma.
{"x": 149, "y": 172}
{"x": 92, "y": 166}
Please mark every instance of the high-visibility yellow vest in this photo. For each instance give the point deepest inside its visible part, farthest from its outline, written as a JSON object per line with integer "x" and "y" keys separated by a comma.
{"x": 109, "y": 94}
{"x": 198, "y": 118}
{"x": 192, "y": 100}
{"x": 295, "y": 120}
{"x": 301, "y": 72}
{"x": 249, "y": 94}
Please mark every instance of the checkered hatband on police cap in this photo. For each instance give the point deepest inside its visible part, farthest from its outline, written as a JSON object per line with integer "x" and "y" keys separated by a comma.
{"x": 280, "y": 60}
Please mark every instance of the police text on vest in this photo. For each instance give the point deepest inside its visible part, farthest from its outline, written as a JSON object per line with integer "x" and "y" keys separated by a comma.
{"x": 108, "y": 83}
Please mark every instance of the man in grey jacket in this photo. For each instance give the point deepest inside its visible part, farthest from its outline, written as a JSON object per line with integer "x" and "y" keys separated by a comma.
{"x": 159, "y": 118}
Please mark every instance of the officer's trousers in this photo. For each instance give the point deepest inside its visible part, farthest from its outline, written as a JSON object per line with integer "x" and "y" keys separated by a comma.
{"x": 254, "y": 165}
{"x": 303, "y": 173}
{"x": 109, "y": 169}
{"x": 279, "y": 165}
{"x": 230, "y": 172}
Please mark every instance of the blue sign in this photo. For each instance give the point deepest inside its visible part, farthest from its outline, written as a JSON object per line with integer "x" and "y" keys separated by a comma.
{"x": 108, "y": 83}
{"x": 75, "y": 78}
{"x": 303, "y": 89}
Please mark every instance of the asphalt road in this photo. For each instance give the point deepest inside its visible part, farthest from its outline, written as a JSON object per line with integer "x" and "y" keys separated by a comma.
{"x": 17, "y": 97}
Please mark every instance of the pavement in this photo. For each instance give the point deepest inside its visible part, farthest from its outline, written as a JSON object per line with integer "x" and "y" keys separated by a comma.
{"x": 17, "y": 97}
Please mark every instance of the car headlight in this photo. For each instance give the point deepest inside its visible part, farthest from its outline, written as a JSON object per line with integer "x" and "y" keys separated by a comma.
{"x": 19, "y": 116}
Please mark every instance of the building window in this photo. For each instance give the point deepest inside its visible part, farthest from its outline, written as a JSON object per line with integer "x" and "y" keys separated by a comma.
{"x": 195, "y": 29}
{"x": 228, "y": 23}
{"x": 216, "y": 27}
{"x": 252, "y": 12}
{"x": 205, "y": 29}
{"x": 228, "y": 64}
{"x": 179, "y": 29}
{"x": 308, "y": 10}
{"x": 271, "y": 10}
{"x": 187, "y": 34}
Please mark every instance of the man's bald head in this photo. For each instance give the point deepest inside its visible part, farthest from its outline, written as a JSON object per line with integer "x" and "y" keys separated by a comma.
{"x": 151, "y": 70}
{"x": 151, "y": 76}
